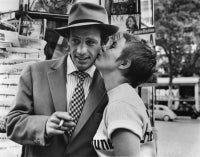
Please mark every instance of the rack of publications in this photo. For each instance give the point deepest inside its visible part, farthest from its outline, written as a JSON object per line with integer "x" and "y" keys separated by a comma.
{"x": 21, "y": 43}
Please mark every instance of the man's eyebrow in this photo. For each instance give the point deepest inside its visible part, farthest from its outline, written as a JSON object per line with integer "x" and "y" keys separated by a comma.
{"x": 88, "y": 38}
{"x": 75, "y": 36}
{"x": 91, "y": 38}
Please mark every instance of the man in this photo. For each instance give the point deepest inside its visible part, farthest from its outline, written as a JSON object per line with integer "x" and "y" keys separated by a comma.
{"x": 51, "y": 118}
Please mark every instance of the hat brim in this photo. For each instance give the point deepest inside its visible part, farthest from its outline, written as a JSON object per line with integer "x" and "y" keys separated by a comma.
{"x": 106, "y": 29}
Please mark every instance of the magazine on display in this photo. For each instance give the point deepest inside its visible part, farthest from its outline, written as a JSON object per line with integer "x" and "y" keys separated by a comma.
{"x": 14, "y": 22}
{"x": 129, "y": 23}
{"x": 28, "y": 42}
{"x": 18, "y": 49}
{"x": 33, "y": 28}
{"x": 9, "y": 37}
{"x": 132, "y": 24}
{"x": 51, "y": 6}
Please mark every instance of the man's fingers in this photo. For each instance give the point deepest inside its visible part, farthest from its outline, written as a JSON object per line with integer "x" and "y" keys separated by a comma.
{"x": 61, "y": 123}
{"x": 69, "y": 124}
{"x": 53, "y": 129}
{"x": 63, "y": 115}
{"x": 55, "y": 120}
{"x": 64, "y": 128}
{"x": 58, "y": 123}
{"x": 56, "y": 132}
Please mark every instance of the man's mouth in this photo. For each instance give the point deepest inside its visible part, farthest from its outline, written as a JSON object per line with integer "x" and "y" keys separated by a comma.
{"x": 82, "y": 59}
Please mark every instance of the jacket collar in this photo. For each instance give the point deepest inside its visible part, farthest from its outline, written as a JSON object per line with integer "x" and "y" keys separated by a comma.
{"x": 57, "y": 83}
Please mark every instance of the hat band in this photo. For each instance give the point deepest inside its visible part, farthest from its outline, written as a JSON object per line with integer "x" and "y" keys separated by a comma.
{"x": 84, "y": 21}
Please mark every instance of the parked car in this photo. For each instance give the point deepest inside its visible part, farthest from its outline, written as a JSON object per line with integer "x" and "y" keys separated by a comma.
{"x": 163, "y": 112}
{"x": 187, "y": 110}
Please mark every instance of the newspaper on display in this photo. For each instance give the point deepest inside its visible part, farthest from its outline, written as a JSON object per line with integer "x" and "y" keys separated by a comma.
{"x": 18, "y": 48}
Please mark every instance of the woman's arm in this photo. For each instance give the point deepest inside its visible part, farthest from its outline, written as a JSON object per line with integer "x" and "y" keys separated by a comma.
{"x": 125, "y": 143}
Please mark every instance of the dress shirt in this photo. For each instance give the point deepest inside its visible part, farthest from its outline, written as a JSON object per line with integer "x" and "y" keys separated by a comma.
{"x": 72, "y": 80}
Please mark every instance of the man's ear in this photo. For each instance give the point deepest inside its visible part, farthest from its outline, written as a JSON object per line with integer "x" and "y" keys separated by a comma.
{"x": 125, "y": 64}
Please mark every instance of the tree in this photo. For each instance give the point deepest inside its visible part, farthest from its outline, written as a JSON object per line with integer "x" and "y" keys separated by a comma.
{"x": 191, "y": 65}
{"x": 172, "y": 17}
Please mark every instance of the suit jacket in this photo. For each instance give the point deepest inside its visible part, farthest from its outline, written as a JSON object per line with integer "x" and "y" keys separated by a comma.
{"x": 41, "y": 92}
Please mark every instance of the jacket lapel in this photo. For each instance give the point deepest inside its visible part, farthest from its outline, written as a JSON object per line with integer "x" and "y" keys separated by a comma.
{"x": 57, "y": 83}
{"x": 95, "y": 96}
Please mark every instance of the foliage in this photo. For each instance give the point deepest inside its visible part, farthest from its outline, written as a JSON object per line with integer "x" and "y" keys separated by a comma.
{"x": 191, "y": 66}
{"x": 174, "y": 19}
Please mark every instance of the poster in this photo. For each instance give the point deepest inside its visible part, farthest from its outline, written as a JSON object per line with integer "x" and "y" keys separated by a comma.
{"x": 34, "y": 28}
{"x": 121, "y": 7}
{"x": 132, "y": 25}
{"x": 51, "y": 6}
{"x": 129, "y": 23}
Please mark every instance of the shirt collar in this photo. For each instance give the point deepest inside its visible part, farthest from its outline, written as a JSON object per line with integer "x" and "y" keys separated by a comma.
{"x": 71, "y": 68}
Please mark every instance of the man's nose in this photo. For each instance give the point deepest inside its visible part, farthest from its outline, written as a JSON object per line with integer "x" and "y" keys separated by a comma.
{"x": 82, "y": 48}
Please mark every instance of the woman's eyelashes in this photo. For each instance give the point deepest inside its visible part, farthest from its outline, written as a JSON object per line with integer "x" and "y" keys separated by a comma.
{"x": 113, "y": 45}
{"x": 104, "y": 48}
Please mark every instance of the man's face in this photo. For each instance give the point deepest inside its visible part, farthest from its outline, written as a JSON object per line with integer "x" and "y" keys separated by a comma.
{"x": 85, "y": 44}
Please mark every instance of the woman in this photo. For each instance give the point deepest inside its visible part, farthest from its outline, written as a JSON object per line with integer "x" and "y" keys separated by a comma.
{"x": 125, "y": 129}
{"x": 131, "y": 24}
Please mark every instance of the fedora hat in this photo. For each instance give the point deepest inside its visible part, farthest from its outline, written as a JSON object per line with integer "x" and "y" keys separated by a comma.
{"x": 84, "y": 14}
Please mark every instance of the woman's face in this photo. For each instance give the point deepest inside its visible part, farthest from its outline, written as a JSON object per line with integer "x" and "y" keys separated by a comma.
{"x": 107, "y": 60}
{"x": 131, "y": 22}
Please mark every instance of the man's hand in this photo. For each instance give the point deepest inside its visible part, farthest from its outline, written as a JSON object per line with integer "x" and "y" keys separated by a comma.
{"x": 52, "y": 125}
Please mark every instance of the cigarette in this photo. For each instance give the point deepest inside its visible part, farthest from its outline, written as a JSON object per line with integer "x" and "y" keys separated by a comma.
{"x": 61, "y": 123}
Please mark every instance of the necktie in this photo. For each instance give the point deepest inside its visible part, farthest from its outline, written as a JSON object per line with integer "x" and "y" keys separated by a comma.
{"x": 78, "y": 99}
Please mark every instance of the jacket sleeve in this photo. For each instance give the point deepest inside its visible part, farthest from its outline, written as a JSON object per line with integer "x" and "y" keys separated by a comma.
{"x": 22, "y": 125}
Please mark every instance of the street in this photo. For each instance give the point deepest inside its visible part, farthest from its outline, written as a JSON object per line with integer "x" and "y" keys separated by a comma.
{"x": 180, "y": 138}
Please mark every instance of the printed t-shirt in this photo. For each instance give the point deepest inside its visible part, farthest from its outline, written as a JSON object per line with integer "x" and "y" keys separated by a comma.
{"x": 126, "y": 110}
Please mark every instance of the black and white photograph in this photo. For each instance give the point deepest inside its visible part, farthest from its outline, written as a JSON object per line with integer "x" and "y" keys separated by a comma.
{"x": 99, "y": 78}
{"x": 129, "y": 23}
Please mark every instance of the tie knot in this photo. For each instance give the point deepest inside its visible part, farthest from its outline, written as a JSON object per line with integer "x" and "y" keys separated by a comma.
{"x": 81, "y": 75}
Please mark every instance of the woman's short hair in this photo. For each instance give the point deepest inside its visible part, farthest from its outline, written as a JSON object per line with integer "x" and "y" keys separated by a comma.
{"x": 143, "y": 60}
